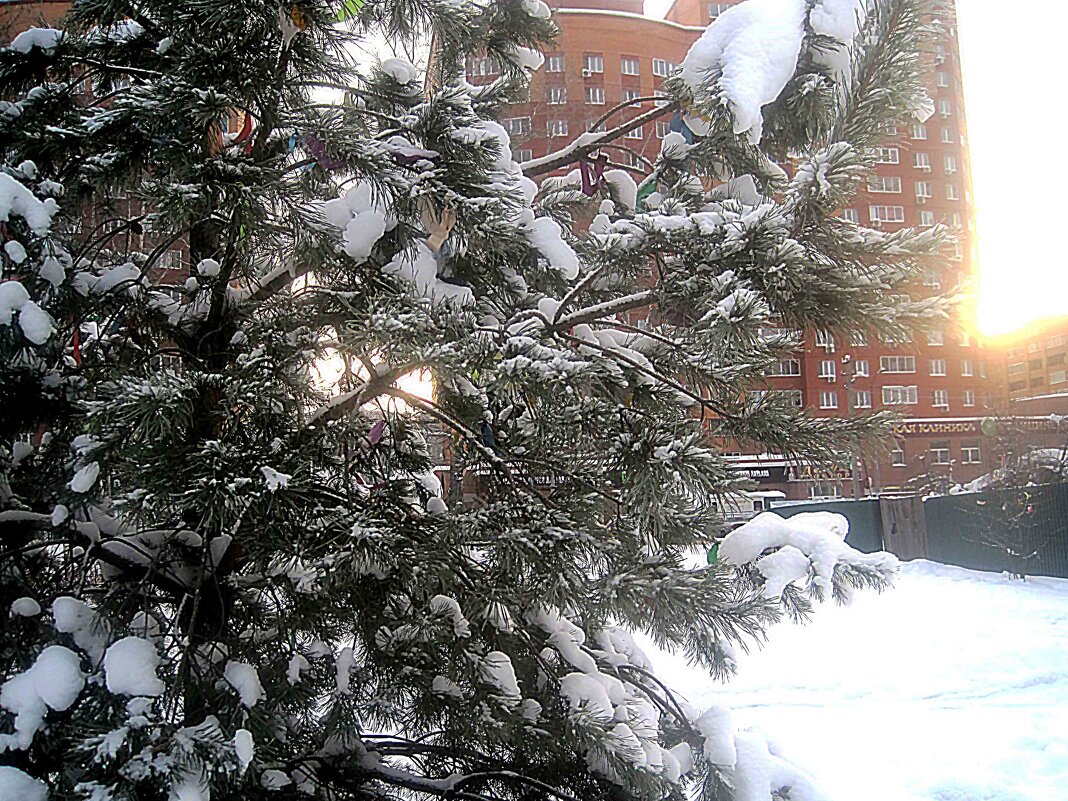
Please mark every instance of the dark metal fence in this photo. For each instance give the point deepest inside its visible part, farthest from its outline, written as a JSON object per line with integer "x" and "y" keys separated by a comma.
{"x": 1023, "y": 531}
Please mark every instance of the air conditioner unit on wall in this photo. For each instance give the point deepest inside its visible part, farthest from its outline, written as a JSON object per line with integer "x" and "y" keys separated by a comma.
{"x": 586, "y": 73}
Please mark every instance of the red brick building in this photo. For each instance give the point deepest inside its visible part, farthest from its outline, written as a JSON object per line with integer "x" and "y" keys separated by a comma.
{"x": 608, "y": 52}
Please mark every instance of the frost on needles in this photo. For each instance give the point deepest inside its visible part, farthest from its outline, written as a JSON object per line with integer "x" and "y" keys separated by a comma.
{"x": 229, "y": 568}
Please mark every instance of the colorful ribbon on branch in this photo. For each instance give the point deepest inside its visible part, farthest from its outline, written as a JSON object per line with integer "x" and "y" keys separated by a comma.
{"x": 592, "y": 174}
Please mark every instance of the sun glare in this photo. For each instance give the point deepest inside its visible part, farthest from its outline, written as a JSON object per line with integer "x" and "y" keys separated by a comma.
{"x": 1018, "y": 192}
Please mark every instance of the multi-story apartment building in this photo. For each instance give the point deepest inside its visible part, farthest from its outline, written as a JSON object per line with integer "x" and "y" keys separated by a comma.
{"x": 1032, "y": 361}
{"x": 608, "y": 52}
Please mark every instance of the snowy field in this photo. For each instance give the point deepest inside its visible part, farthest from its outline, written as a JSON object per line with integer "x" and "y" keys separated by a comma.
{"x": 951, "y": 687}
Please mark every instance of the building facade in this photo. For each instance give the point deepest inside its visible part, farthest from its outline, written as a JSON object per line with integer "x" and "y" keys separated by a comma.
{"x": 609, "y": 53}
{"x": 1032, "y": 361}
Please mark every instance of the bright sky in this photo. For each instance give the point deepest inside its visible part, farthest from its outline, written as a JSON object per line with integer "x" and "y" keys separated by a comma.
{"x": 1013, "y": 58}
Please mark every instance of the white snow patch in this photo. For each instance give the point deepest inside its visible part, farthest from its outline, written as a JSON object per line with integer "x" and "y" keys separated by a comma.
{"x": 18, "y": 786}
{"x": 85, "y": 478}
{"x": 130, "y": 668}
{"x": 245, "y": 681}
{"x": 274, "y": 479}
{"x": 753, "y": 47}
{"x": 25, "y": 607}
{"x": 53, "y": 682}
{"x": 47, "y": 39}
{"x": 817, "y": 537}
{"x": 244, "y": 749}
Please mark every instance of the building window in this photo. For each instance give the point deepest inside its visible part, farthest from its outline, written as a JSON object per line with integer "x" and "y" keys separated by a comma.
{"x": 661, "y": 68}
{"x": 1016, "y": 386}
{"x": 950, "y": 163}
{"x": 947, "y": 136}
{"x": 828, "y": 369}
{"x": 662, "y": 129}
{"x": 885, "y": 184}
{"x": 825, "y": 489}
{"x": 1016, "y": 369}
{"x": 630, "y": 95}
{"x": 967, "y": 368}
{"x": 970, "y": 453}
{"x": 942, "y": 79}
{"x": 923, "y": 190}
{"x": 1034, "y": 364}
{"x": 932, "y": 278}
{"x": 851, "y": 215}
{"x": 557, "y": 127}
{"x": 862, "y": 399}
{"x": 1058, "y": 376}
{"x": 927, "y": 218}
{"x": 629, "y": 65}
{"x": 940, "y": 453}
{"x": 897, "y": 457}
{"x": 919, "y": 131}
{"x": 887, "y": 214}
{"x": 635, "y": 134}
{"x": 858, "y": 339}
{"x": 901, "y": 396}
{"x": 897, "y": 364}
{"x": 921, "y": 161}
{"x": 969, "y": 397}
{"x": 517, "y": 126}
{"x": 594, "y": 127}
{"x": 482, "y": 66}
{"x": 661, "y": 98}
{"x": 521, "y": 154}
{"x": 715, "y": 9}
{"x": 940, "y": 398}
{"x": 955, "y": 219}
{"x": 171, "y": 260}
{"x": 958, "y": 252}
{"x": 1057, "y": 341}
{"x": 938, "y": 366}
{"x": 595, "y": 95}
{"x": 982, "y": 368}
{"x": 936, "y": 336}
{"x": 1033, "y": 347}
{"x": 887, "y": 155}
{"x": 825, "y": 340}
{"x": 952, "y": 192}
{"x": 828, "y": 400}
{"x": 557, "y": 95}
{"x": 861, "y": 369}
{"x": 784, "y": 367}
{"x": 554, "y": 62}
{"x": 945, "y": 109}
{"x": 593, "y": 62}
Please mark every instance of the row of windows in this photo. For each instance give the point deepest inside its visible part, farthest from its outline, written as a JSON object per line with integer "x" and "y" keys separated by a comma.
{"x": 939, "y": 454}
{"x": 895, "y": 396}
{"x": 1058, "y": 341}
{"x": 896, "y": 214}
{"x": 858, "y": 339}
{"x": 947, "y": 135}
{"x": 892, "y": 184}
{"x": 1056, "y": 360}
{"x": 922, "y": 161}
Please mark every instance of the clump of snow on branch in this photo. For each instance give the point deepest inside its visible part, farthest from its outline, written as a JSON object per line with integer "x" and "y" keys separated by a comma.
{"x": 53, "y": 683}
{"x": 809, "y": 542}
{"x": 17, "y": 786}
{"x": 753, "y": 49}
{"x": 130, "y": 668}
{"x": 47, "y": 39}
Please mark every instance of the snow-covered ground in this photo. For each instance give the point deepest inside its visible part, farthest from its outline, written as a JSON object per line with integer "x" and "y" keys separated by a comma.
{"x": 951, "y": 687}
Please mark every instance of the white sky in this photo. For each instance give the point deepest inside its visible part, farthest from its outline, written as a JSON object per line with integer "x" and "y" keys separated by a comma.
{"x": 1014, "y": 58}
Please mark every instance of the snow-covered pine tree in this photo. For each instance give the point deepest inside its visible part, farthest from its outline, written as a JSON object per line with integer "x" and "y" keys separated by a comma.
{"x": 224, "y": 576}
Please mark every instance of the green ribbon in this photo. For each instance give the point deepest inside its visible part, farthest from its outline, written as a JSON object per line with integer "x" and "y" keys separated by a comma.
{"x": 349, "y": 10}
{"x": 647, "y": 188}
{"x": 713, "y": 554}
